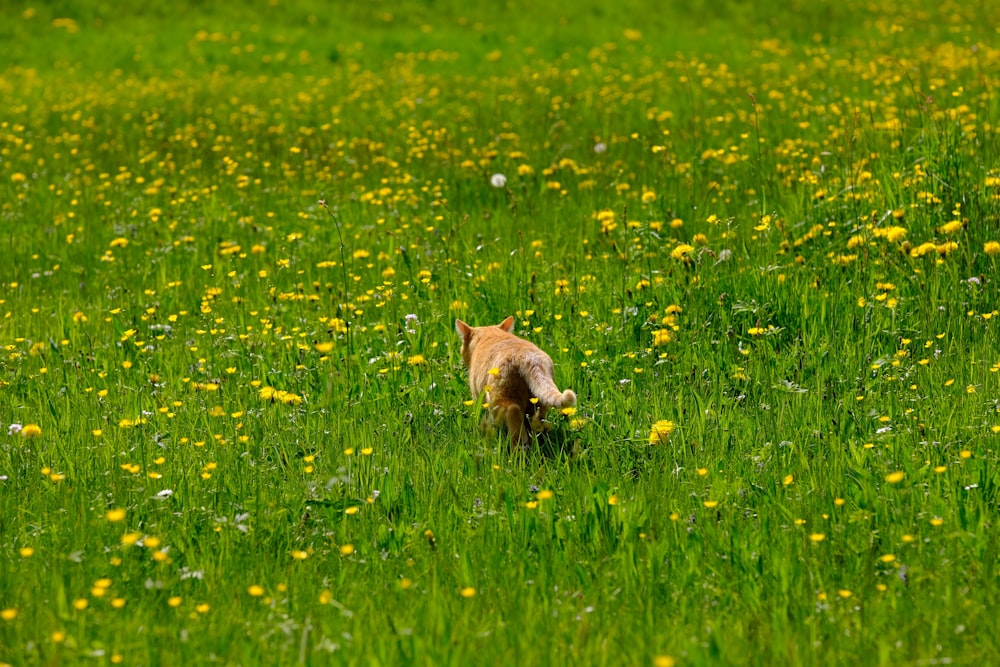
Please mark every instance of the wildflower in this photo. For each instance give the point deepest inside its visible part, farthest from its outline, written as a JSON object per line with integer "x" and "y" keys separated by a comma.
{"x": 710, "y": 504}
{"x": 895, "y": 477}
{"x": 30, "y": 430}
{"x": 115, "y": 515}
{"x": 498, "y": 180}
{"x": 8, "y": 614}
{"x": 255, "y": 590}
{"x": 662, "y": 337}
{"x": 607, "y": 219}
{"x": 544, "y": 494}
{"x": 817, "y": 537}
{"x": 991, "y": 248}
{"x": 416, "y": 360}
{"x": 468, "y": 592}
{"x": 661, "y": 431}
{"x": 682, "y": 252}
{"x": 346, "y": 550}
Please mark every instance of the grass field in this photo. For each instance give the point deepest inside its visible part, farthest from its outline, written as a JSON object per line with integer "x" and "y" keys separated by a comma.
{"x": 759, "y": 240}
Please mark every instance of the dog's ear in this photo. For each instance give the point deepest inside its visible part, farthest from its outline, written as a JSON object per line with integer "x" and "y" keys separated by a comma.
{"x": 507, "y": 324}
{"x": 464, "y": 330}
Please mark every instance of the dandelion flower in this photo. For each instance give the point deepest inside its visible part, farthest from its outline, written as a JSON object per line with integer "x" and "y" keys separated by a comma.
{"x": 468, "y": 592}
{"x": 661, "y": 431}
{"x": 498, "y": 180}
{"x": 114, "y": 515}
{"x": 895, "y": 477}
{"x": 255, "y": 590}
{"x": 662, "y": 337}
{"x": 682, "y": 252}
{"x": 30, "y": 431}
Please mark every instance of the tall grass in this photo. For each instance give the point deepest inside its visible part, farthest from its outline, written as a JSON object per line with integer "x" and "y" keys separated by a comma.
{"x": 759, "y": 241}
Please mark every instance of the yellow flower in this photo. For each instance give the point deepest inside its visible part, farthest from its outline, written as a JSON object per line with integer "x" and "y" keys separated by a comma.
{"x": 662, "y": 337}
{"x": 117, "y": 514}
{"x": 950, "y": 227}
{"x": 895, "y": 477}
{"x": 347, "y": 550}
{"x": 991, "y": 248}
{"x": 661, "y": 431}
{"x": 544, "y": 494}
{"x": 255, "y": 590}
{"x": 817, "y": 537}
{"x": 8, "y": 614}
{"x": 682, "y": 251}
{"x": 468, "y": 592}
{"x": 31, "y": 431}
{"x": 709, "y": 504}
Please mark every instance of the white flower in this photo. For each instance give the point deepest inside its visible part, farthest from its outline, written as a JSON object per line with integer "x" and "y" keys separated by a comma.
{"x": 498, "y": 180}
{"x": 165, "y": 493}
{"x": 14, "y": 429}
{"x": 600, "y": 147}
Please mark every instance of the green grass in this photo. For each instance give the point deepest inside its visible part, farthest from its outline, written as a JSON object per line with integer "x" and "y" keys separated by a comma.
{"x": 246, "y": 435}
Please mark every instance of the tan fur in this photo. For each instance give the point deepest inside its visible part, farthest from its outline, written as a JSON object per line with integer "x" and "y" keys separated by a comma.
{"x": 522, "y": 373}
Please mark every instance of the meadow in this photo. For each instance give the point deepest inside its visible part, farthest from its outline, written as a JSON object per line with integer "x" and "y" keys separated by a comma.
{"x": 759, "y": 240}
